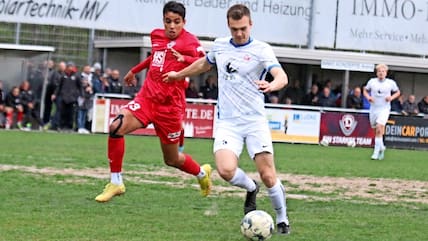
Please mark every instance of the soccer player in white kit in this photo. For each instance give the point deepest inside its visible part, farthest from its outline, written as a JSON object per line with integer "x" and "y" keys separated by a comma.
{"x": 242, "y": 64}
{"x": 378, "y": 93}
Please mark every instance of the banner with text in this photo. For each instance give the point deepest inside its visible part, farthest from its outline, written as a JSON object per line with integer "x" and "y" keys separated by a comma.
{"x": 294, "y": 126}
{"x": 279, "y": 21}
{"x": 340, "y": 129}
{"x": 198, "y": 119}
{"x": 383, "y": 25}
{"x": 406, "y": 132}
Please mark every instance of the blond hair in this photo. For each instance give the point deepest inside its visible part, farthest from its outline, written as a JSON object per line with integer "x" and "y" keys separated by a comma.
{"x": 381, "y": 66}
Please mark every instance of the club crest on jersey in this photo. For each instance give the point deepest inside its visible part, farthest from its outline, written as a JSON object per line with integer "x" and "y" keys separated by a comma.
{"x": 171, "y": 44}
{"x": 347, "y": 124}
{"x": 247, "y": 57}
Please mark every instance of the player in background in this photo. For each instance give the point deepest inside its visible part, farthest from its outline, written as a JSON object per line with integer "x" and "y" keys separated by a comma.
{"x": 159, "y": 103}
{"x": 242, "y": 63}
{"x": 378, "y": 93}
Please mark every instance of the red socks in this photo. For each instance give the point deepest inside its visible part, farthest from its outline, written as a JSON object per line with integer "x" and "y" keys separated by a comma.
{"x": 190, "y": 166}
{"x": 19, "y": 116}
{"x": 116, "y": 151}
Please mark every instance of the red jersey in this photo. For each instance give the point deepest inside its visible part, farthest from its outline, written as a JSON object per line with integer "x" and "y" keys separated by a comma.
{"x": 162, "y": 61}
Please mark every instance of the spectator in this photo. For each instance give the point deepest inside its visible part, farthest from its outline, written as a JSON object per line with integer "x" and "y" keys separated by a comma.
{"x": 28, "y": 102}
{"x": 192, "y": 90}
{"x": 325, "y": 99}
{"x": 13, "y": 106}
{"x": 86, "y": 73}
{"x": 294, "y": 92}
{"x": 114, "y": 83}
{"x": 108, "y": 72}
{"x": 50, "y": 88}
{"x": 397, "y": 104}
{"x": 210, "y": 90}
{"x": 84, "y": 105}
{"x": 423, "y": 105}
{"x": 98, "y": 81}
{"x": 36, "y": 77}
{"x": 69, "y": 89}
{"x": 131, "y": 90}
{"x": 311, "y": 98}
{"x": 354, "y": 99}
{"x": 329, "y": 83}
{"x": 2, "y": 102}
{"x": 410, "y": 107}
{"x": 273, "y": 97}
{"x": 53, "y": 84}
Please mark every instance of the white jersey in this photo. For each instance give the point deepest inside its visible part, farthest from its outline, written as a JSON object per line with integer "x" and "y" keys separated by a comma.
{"x": 238, "y": 68}
{"x": 379, "y": 90}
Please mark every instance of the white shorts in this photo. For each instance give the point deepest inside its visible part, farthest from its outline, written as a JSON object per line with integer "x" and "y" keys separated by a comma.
{"x": 378, "y": 116}
{"x": 231, "y": 134}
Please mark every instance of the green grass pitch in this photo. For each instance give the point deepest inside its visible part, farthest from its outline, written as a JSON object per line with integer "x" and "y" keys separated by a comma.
{"x": 48, "y": 182}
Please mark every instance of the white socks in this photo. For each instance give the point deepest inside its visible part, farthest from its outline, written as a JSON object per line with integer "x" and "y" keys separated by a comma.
{"x": 201, "y": 173}
{"x": 240, "y": 179}
{"x": 277, "y": 197}
{"x": 116, "y": 178}
{"x": 378, "y": 144}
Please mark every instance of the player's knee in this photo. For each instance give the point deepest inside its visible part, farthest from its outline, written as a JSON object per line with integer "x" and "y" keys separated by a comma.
{"x": 227, "y": 175}
{"x": 268, "y": 178}
{"x": 115, "y": 127}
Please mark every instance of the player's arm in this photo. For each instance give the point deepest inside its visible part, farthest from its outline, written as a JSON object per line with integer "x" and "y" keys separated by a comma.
{"x": 199, "y": 66}
{"x": 280, "y": 80}
{"x": 186, "y": 58}
{"x": 366, "y": 94}
{"x": 130, "y": 76}
{"x": 393, "y": 96}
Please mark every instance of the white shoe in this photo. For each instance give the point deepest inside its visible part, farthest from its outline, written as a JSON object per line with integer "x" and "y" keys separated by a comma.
{"x": 375, "y": 156}
{"x": 382, "y": 153}
{"x": 82, "y": 131}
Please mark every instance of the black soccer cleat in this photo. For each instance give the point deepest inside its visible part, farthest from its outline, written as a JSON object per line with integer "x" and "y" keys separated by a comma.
{"x": 250, "y": 200}
{"x": 283, "y": 228}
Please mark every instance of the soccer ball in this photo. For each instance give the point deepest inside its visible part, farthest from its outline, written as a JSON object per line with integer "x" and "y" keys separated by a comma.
{"x": 351, "y": 143}
{"x": 257, "y": 225}
{"x": 324, "y": 142}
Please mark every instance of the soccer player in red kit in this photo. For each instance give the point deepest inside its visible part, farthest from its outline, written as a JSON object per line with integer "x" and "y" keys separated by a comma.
{"x": 159, "y": 103}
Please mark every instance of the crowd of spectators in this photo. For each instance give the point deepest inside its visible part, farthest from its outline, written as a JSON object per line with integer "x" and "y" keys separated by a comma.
{"x": 70, "y": 92}
{"x": 68, "y": 98}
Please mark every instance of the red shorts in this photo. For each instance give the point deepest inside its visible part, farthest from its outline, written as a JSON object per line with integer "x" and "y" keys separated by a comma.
{"x": 166, "y": 119}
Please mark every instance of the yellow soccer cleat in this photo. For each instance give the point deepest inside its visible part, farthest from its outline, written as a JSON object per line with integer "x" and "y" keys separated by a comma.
{"x": 110, "y": 191}
{"x": 205, "y": 182}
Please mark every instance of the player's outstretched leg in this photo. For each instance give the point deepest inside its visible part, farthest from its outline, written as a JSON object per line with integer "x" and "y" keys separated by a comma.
{"x": 205, "y": 182}
{"x": 116, "y": 151}
{"x": 202, "y": 173}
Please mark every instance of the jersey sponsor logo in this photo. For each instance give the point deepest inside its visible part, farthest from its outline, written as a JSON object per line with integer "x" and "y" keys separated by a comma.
{"x": 174, "y": 135}
{"x": 158, "y": 58}
{"x": 348, "y": 124}
{"x": 230, "y": 68}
